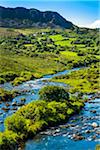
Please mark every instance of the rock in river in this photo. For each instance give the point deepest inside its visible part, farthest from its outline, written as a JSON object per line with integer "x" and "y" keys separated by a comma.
{"x": 5, "y": 109}
{"x": 14, "y": 104}
{"x": 88, "y": 131}
{"x": 94, "y": 125}
{"x": 93, "y": 111}
{"x": 77, "y": 137}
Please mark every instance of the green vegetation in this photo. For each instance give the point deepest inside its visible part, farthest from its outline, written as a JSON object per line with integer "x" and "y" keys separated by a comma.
{"x": 27, "y": 54}
{"x": 70, "y": 55}
{"x": 97, "y": 147}
{"x": 16, "y": 78}
{"x": 45, "y": 52}
{"x": 7, "y": 76}
{"x": 24, "y": 76}
{"x": 39, "y": 115}
{"x": 28, "y": 18}
{"x": 53, "y": 93}
{"x": 5, "y": 95}
{"x": 57, "y": 37}
{"x": 8, "y": 140}
{"x": 85, "y": 80}
{"x": 8, "y": 32}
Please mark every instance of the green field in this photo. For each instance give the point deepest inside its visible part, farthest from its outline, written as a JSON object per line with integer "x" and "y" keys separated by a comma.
{"x": 57, "y": 37}
{"x": 84, "y": 80}
{"x": 70, "y": 55}
{"x": 27, "y": 54}
{"x": 45, "y": 51}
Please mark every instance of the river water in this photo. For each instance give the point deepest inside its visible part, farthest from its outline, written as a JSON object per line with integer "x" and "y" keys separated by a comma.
{"x": 63, "y": 136}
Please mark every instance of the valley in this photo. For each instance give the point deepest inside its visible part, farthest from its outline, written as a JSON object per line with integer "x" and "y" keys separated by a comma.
{"x": 49, "y": 82}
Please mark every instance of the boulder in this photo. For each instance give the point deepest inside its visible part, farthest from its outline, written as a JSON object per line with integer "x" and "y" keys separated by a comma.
{"x": 77, "y": 137}
{"x": 93, "y": 111}
{"x": 5, "y": 109}
{"x": 14, "y": 104}
{"x": 94, "y": 125}
{"x": 87, "y": 131}
{"x": 7, "y": 104}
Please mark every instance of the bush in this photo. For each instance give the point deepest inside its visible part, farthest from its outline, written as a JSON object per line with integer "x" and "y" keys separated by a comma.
{"x": 5, "y": 95}
{"x": 24, "y": 76}
{"x": 53, "y": 93}
{"x": 2, "y": 81}
{"x": 16, "y": 123}
{"x": 8, "y": 76}
{"x": 36, "y": 127}
{"x": 27, "y": 75}
{"x": 39, "y": 115}
{"x": 56, "y": 112}
{"x": 18, "y": 81}
{"x": 8, "y": 140}
{"x": 36, "y": 116}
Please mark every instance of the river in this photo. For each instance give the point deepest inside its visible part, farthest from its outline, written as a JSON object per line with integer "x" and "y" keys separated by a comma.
{"x": 61, "y": 137}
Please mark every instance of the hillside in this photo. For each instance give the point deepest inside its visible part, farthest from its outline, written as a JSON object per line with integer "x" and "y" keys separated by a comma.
{"x": 21, "y": 17}
{"x": 71, "y": 57}
{"x": 46, "y": 51}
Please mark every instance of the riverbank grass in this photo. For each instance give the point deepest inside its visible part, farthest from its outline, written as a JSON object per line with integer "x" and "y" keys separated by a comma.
{"x": 85, "y": 80}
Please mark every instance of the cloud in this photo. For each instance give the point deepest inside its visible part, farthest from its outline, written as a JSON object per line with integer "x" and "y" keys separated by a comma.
{"x": 95, "y": 24}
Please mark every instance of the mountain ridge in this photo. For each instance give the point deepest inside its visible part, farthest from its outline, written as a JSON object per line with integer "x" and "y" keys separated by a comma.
{"x": 20, "y": 17}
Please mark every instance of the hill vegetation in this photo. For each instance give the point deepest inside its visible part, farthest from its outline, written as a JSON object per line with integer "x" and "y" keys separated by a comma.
{"x": 45, "y": 52}
{"x": 21, "y": 17}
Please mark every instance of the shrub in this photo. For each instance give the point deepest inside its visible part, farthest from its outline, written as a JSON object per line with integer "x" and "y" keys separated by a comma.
{"x": 77, "y": 105}
{"x": 53, "y": 93}
{"x": 24, "y": 76}
{"x": 8, "y": 140}
{"x": 2, "y": 81}
{"x": 16, "y": 123}
{"x": 27, "y": 75}
{"x": 36, "y": 127}
{"x": 8, "y": 76}
{"x": 70, "y": 111}
{"x": 18, "y": 81}
{"x": 5, "y": 95}
{"x": 36, "y": 116}
{"x": 56, "y": 112}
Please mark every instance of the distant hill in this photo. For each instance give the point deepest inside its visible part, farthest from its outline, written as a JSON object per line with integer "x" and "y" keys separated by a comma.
{"x": 20, "y": 17}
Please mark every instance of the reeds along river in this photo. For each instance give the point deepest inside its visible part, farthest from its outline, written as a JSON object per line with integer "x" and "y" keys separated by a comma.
{"x": 81, "y": 132}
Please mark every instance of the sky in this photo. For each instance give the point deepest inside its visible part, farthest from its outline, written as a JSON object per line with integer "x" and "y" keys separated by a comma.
{"x": 84, "y": 13}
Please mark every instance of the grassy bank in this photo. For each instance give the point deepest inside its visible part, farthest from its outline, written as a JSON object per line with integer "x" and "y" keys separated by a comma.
{"x": 85, "y": 80}
{"x": 8, "y": 95}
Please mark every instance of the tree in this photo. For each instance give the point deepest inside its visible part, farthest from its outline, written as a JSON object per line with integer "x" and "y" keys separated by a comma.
{"x": 53, "y": 93}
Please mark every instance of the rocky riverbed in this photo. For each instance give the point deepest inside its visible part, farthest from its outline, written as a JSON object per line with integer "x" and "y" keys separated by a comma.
{"x": 83, "y": 128}
{"x": 81, "y": 132}
{"x": 27, "y": 92}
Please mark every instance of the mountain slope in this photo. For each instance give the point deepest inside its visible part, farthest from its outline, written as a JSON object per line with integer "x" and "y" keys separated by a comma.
{"x": 21, "y": 17}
